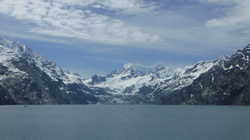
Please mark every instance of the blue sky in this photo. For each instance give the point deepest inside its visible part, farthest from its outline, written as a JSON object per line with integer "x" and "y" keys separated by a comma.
{"x": 98, "y": 36}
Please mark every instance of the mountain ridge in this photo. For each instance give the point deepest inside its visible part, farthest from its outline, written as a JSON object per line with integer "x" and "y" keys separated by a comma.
{"x": 27, "y": 78}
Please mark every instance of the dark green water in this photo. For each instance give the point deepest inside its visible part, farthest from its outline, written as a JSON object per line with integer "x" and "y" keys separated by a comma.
{"x": 124, "y": 122}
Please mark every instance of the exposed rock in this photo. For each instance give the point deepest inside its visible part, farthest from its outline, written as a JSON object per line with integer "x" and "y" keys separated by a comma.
{"x": 26, "y": 78}
{"x": 224, "y": 84}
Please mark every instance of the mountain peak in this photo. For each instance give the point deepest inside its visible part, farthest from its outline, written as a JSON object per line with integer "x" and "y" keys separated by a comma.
{"x": 247, "y": 48}
{"x": 9, "y": 43}
{"x": 36, "y": 80}
{"x": 132, "y": 69}
{"x": 129, "y": 66}
{"x": 141, "y": 68}
{"x": 15, "y": 47}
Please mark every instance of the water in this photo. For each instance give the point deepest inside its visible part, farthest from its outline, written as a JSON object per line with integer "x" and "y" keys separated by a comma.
{"x": 125, "y": 122}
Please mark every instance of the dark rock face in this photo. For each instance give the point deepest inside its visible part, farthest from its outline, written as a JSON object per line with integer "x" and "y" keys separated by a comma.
{"x": 97, "y": 79}
{"x": 226, "y": 83}
{"x": 26, "y": 78}
{"x": 220, "y": 82}
{"x": 24, "y": 82}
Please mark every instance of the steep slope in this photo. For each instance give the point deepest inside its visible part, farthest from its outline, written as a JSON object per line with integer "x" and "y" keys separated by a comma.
{"x": 126, "y": 85}
{"x": 26, "y": 78}
{"x": 128, "y": 80}
{"x": 226, "y": 83}
{"x": 133, "y": 84}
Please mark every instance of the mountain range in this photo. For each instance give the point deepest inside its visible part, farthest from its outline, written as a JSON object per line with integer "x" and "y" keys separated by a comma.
{"x": 27, "y": 78}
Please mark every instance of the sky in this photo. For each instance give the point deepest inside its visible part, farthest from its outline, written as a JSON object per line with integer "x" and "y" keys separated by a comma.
{"x": 97, "y": 36}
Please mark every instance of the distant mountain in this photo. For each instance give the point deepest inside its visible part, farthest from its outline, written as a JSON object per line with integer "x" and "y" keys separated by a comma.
{"x": 137, "y": 85}
{"x": 26, "y": 78}
{"x": 224, "y": 81}
{"x": 124, "y": 85}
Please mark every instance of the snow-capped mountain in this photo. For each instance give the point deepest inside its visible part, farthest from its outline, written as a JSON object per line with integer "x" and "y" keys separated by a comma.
{"x": 225, "y": 83}
{"x": 146, "y": 83}
{"x": 129, "y": 79}
{"x": 222, "y": 81}
{"x": 27, "y": 78}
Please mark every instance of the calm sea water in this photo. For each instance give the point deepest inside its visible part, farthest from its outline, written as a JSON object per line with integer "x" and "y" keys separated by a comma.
{"x": 124, "y": 122}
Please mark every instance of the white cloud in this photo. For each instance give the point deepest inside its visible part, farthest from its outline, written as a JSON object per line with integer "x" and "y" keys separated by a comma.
{"x": 237, "y": 17}
{"x": 71, "y": 18}
{"x": 227, "y": 2}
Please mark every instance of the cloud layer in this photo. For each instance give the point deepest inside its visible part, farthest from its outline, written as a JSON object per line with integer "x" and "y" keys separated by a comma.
{"x": 186, "y": 26}
{"x": 236, "y": 17}
{"x": 81, "y": 19}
